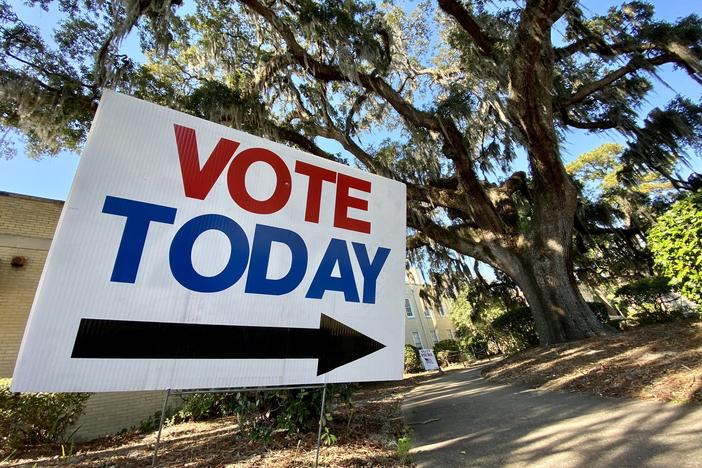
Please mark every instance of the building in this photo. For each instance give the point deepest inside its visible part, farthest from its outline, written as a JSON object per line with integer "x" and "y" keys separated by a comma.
{"x": 27, "y": 225}
{"x": 426, "y": 322}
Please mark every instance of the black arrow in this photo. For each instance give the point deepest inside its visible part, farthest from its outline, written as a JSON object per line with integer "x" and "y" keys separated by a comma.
{"x": 333, "y": 343}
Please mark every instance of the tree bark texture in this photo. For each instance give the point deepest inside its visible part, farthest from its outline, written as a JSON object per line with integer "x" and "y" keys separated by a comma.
{"x": 559, "y": 310}
{"x": 542, "y": 267}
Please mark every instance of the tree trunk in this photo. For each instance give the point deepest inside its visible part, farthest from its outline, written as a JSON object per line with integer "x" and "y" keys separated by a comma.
{"x": 545, "y": 271}
{"x": 542, "y": 262}
{"x": 559, "y": 310}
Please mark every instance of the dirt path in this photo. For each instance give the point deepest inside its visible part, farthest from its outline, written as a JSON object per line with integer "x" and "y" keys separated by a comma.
{"x": 460, "y": 419}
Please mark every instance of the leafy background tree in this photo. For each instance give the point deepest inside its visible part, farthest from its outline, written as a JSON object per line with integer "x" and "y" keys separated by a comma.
{"x": 453, "y": 99}
{"x": 612, "y": 220}
{"x": 618, "y": 234}
{"x": 676, "y": 242}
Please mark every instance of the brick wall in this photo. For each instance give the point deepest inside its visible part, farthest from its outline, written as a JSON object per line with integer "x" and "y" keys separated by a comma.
{"x": 27, "y": 225}
{"x": 108, "y": 413}
{"x": 28, "y": 216}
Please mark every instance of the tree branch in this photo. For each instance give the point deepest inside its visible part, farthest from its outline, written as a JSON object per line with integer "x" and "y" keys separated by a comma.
{"x": 463, "y": 239}
{"x": 302, "y": 142}
{"x": 603, "y": 49}
{"x": 327, "y": 72}
{"x": 267, "y": 69}
{"x": 531, "y": 94}
{"x": 435, "y": 196}
{"x": 40, "y": 69}
{"x": 333, "y": 132}
{"x": 516, "y": 183}
{"x": 635, "y": 64}
{"x": 454, "y": 146}
{"x": 82, "y": 101}
{"x": 686, "y": 59}
{"x": 357, "y": 103}
{"x": 586, "y": 124}
{"x": 459, "y": 238}
{"x": 482, "y": 41}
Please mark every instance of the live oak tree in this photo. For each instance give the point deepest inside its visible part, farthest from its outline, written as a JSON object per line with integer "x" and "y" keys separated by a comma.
{"x": 449, "y": 99}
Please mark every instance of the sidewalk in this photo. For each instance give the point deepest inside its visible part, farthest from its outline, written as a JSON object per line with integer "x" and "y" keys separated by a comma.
{"x": 460, "y": 419}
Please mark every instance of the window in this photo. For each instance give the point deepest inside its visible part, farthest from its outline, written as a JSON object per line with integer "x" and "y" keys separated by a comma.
{"x": 408, "y": 309}
{"x": 450, "y": 334}
{"x": 417, "y": 340}
{"x": 427, "y": 312}
{"x": 442, "y": 311}
{"x": 435, "y": 336}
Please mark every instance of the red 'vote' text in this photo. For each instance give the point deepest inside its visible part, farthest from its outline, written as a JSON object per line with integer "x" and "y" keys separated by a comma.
{"x": 199, "y": 180}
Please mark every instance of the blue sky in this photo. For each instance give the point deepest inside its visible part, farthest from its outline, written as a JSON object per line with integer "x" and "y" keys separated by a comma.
{"x": 52, "y": 177}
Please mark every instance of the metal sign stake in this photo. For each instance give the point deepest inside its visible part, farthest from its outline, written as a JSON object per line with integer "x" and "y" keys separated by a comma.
{"x": 319, "y": 432}
{"x": 234, "y": 390}
{"x": 160, "y": 427}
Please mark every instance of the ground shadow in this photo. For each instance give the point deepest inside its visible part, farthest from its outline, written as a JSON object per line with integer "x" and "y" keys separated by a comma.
{"x": 464, "y": 420}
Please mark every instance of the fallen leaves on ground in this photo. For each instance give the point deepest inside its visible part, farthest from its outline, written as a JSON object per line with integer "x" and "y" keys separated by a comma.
{"x": 659, "y": 362}
{"x": 367, "y": 431}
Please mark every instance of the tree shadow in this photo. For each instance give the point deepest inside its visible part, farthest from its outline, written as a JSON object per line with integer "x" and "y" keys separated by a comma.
{"x": 468, "y": 421}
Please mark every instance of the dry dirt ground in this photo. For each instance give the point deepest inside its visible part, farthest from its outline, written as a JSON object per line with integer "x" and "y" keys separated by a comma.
{"x": 367, "y": 433}
{"x": 659, "y": 362}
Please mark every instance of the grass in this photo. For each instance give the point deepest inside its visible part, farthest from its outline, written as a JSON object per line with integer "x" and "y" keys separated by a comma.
{"x": 404, "y": 444}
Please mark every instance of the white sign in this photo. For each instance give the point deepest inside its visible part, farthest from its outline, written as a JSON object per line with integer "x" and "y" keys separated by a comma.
{"x": 428, "y": 359}
{"x": 192, "y": 255}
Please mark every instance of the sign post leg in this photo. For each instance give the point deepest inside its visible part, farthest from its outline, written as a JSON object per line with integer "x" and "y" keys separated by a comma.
{"x": 321, "y": 418}
{"x": 160, "y": 428}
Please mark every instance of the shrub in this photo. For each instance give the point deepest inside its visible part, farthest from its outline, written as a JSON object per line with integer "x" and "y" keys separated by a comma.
{"x": 645, "y": 289}
{"x": 446, "y": 357}
{"x": 446, "y": 345}
{"x": 203, "y": 406}
{"x": 515, "y": 328}
{"x": 477, "y": 343}
{"x": 509, "y": 332}
{"x": 447, "y": 352}
{"x": 676, "y": 243}
{"x": 260, "y": 413}
{"x": 32, "y": 418}
{"x": 412, "y": 362}
{"x": 602, "y": 313}
{"x": 496, "y": 331}
{"x": 517, "y": 325}
{"x": 648, "y": 301}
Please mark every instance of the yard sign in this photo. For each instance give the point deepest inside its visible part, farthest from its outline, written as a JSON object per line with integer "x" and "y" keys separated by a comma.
{"x": 192, "y": 255}
{"x": 428, "y": 359}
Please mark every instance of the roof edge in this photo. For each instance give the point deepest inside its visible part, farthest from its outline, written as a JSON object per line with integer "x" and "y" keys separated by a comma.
{"x": 30, "y": 197}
